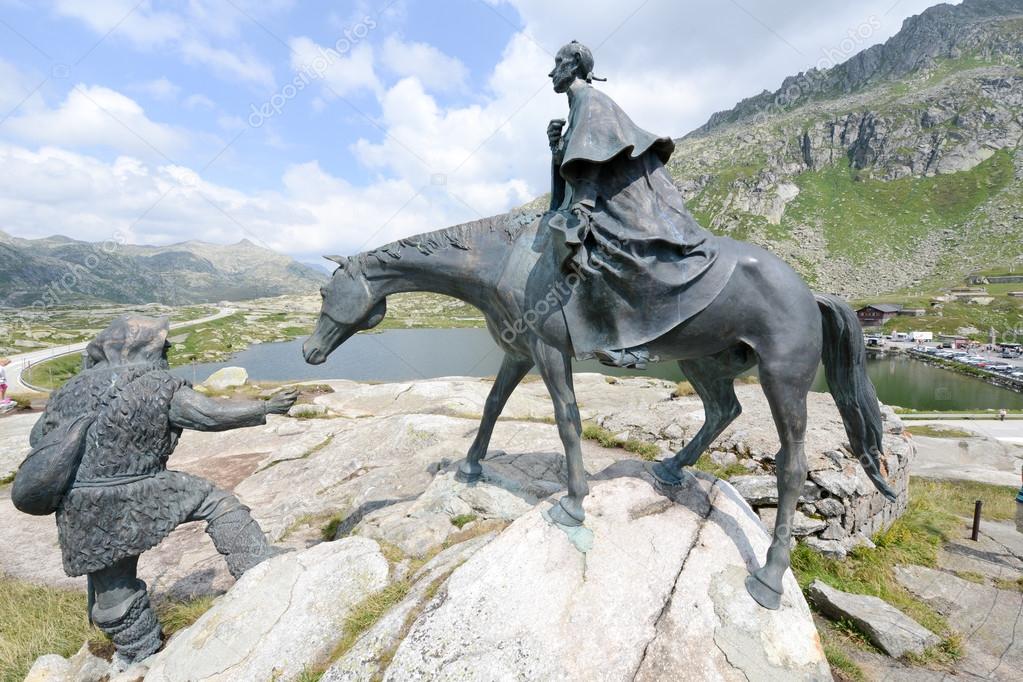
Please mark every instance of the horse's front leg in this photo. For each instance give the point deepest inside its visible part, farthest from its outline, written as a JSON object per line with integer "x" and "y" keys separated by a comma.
{"x": 513, "y": 369}
{"x": 556, "y": 370}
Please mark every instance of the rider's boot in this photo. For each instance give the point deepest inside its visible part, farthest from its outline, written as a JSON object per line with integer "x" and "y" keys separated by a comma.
{"x": 628, "y": 358}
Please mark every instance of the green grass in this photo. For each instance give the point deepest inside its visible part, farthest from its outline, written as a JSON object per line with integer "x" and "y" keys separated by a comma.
{"x": 362, "y": 617}
{"x": 51, "y": 374}
{"x": 38, "y": 620}
{"x": 856, "y": 211}
{"x": 462, "y": 520}
{"x": 958, "y": 497}
{"x": 1013, "y": 584}
{"x": 178, "y": 615}
{"x": 915, "y": 538}
{"x": 647, "y": 451}
{"x": 835, "y": 643}
{"x": 938, "y": 431}
{"x": 706, "y": 464}
{"x": 933, "y": 517}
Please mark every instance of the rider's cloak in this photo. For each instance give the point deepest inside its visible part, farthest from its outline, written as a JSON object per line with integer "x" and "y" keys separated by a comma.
{"x": 646, "y": 265}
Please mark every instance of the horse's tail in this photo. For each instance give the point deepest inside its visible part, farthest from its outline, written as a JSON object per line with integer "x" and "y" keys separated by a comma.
{"x": 845, "y": 368}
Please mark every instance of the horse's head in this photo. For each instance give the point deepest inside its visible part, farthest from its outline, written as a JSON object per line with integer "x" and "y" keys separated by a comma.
{"x": 348, "y": 307}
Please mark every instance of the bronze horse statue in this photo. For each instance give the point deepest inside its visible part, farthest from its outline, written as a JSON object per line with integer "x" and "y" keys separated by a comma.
{"x": 765, "y": 315}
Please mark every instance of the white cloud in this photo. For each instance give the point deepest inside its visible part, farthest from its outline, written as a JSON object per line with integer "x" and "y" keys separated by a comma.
{"x": 191, "y": 31}
{"x": 434, "y": 69}
{"x": 228, "y": 64}
{"x": 132, "y": 20}
{"x": 17, "y": 90}
{"x": 161, "y": 89}
{"x": 198, "y": 101}
{"x": 55, "y": 191}
{"x": 98, "y": 116}
{"x": 341, "y": 73}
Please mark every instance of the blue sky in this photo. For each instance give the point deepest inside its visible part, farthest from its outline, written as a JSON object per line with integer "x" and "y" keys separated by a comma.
{"x": 331, "y": 127}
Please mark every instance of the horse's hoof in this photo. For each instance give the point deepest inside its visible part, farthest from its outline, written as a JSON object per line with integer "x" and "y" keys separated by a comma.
{"x": 468, "y": 473}
{"x": 762, "y": 593}
{"x": 571, "y": 515}
{"x": 666, "y": 476}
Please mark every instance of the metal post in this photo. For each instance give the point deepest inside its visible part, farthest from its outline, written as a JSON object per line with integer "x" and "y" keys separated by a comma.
{"x": 976, "y": 521}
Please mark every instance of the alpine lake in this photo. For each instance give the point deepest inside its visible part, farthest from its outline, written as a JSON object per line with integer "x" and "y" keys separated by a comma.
{"x": 413, "y": 354}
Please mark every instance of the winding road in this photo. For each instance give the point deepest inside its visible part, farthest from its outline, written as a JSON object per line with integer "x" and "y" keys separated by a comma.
{"x": 21, "y": 362}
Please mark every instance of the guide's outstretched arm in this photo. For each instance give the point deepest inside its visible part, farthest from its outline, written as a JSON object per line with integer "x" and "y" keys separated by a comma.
{"x": 192, "y": 410}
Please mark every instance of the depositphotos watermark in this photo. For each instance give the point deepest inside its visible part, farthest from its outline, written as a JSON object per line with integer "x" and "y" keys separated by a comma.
{"x": 313, "y": 70}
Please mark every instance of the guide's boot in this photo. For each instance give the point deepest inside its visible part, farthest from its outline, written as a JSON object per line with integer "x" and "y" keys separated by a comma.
{"x": 237, "y": 536}
{"x": 132, "y": 626}
{"x": 627, "y": 358}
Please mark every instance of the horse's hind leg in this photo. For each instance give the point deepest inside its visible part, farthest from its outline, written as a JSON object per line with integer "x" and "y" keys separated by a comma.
{"x": 786, "y": 382}
{"x": 713, "y": 378}
{"x": 513, "y": 369}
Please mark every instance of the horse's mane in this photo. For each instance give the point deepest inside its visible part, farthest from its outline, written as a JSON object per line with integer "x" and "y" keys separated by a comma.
{"x": 509, "y": 225}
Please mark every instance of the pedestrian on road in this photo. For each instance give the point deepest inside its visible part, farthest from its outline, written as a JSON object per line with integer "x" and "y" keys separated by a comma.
{"x": 3, "y": 380}
{"x": 1001, "y": 415}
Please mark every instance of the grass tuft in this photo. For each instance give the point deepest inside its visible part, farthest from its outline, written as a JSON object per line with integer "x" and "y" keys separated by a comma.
{"x": 178, "y": 615}
{"x": 707, "y": 465}
{"x": 462, "y": 520}
{"x": 683, "y": 389}
{"x": 958, "y": 497}
{"x": 37, "y": 620}
{"x": 938, "y": 431}
{"x": 366, "y": 613}
{"x": 647, "y": 451}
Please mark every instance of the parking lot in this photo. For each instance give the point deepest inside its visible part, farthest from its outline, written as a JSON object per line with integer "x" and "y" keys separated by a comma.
{"x": 993, "y": 362}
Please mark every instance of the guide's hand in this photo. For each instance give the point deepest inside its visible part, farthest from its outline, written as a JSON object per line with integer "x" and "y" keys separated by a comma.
{"x": 554, "y": 129}
{"x": 281, "y": 402}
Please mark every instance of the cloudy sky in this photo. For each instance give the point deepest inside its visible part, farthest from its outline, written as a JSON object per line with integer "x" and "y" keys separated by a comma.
{"x": 331, "y": 127}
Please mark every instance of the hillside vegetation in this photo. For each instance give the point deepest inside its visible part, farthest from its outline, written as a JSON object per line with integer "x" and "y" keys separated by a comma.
{"x": 892, "y": 176}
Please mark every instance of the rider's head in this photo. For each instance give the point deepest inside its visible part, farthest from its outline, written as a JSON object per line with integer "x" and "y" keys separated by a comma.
{"x": 572, "y": 61}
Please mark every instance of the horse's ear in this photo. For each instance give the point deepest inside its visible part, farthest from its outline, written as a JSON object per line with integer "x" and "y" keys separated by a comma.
{"x": 340, "y": 260}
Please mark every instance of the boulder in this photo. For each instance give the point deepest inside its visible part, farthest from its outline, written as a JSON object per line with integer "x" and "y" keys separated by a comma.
{"x": 656, "y": 592}
{"x": 84, "y": 666}
{"x": 281, "y": 618}
{"x": 228, "y": 377}
{"x": 885, "y": 626}
{"x": 307, "y": 411}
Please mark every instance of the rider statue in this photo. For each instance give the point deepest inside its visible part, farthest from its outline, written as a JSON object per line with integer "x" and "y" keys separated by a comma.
{"x": 99, "y": 461}
{"x": 621, "y": 225}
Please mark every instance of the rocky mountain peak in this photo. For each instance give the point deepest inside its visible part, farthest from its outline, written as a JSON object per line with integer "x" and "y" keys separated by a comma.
{"x": 981, "y": 28}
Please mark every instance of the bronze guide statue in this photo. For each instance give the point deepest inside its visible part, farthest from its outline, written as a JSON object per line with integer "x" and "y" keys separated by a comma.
{"x": 619, "y": 269}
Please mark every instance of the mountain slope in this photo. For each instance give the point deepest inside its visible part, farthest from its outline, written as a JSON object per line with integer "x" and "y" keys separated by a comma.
{"x": 898, "y": 170}
{"x": 59, "y": 271}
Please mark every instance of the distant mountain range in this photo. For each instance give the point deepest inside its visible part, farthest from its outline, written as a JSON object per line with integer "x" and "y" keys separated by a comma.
{"x": 61, "y": 271}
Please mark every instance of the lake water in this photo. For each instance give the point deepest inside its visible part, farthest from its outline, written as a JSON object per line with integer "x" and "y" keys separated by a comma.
{"x": 406, "y": 354}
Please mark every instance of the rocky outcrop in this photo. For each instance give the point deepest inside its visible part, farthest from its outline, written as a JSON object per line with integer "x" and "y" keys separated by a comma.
{"x": 941, "y": 97}
{"x": 280, "y": 619}
{"x": 380, "y": 461}
{"x": 989, "y": 619}
{"x": 658, "y": 594}
{"x": 940, "y": 32}
{"x": 885, "y": 626}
